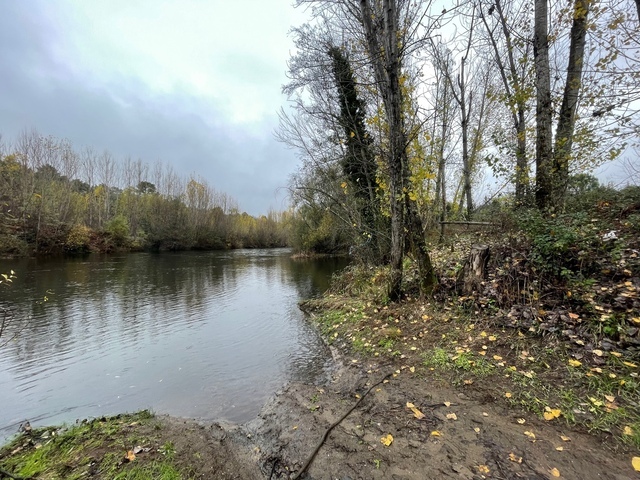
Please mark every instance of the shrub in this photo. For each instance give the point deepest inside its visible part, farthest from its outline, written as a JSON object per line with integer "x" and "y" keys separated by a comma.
{"x": 13, "y": 246}
{"x": 78, "y": 239}
{"x": 118, "y": 230}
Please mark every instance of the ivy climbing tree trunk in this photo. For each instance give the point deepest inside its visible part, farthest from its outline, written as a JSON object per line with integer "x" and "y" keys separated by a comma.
{"x": 358, "y": 163}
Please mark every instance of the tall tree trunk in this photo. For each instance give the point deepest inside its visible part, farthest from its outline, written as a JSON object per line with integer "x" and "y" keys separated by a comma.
{"x": 387, "y": 67}
{"x": 544, "y": 160}
{"x": 567, "y": 118}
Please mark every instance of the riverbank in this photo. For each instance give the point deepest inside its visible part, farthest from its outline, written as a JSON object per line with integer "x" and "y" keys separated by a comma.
{"x": 456, "y": 386}
{"x": 409, "y": 426}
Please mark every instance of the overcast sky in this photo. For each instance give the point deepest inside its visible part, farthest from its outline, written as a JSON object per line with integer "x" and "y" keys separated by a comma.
{"x": 194, "y": 83}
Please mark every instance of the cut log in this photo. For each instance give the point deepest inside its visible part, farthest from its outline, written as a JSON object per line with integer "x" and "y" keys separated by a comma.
{"x": 474, "y": 270}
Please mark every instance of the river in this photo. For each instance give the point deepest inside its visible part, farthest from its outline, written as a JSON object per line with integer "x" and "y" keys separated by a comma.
{"x": 208, "y": 335}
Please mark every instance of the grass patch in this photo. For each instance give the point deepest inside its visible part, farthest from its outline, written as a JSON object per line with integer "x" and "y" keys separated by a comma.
{"x": 102, "y": 448}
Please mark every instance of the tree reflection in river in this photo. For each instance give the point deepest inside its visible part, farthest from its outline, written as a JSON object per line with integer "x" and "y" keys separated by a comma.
{"x": 195, "y": 334}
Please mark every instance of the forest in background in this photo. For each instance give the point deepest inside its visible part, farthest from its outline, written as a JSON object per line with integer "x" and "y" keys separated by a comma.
{"x": 55, "y": 199}
{"x": 401, "y": 108}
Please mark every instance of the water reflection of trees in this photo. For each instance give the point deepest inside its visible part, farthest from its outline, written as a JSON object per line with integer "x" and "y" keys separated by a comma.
{"x": 99, "y": 302}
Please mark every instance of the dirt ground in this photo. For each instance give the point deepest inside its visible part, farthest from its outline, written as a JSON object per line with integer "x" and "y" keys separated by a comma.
{"x": 482, "y": 440}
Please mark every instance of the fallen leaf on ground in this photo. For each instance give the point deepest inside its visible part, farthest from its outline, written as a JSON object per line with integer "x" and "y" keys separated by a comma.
{"x": 452, "y": 416}
{"x": 635, "y": 461}
{"x": 514, "y": 458}
{"x": 476, "y": 429}
{"x": 130, "y": 456}
{"x": 554, "y": 472}
{"x": 412, "y": 369}
{"x": 616, "y": 354}
{"x": 497, "y": 357}
{"x": 483, "y": 469}
{"x": 531, "y": 435}
{"x": 565, "y": 438}
{"x": 559, "y": 449}
{"x": 435, "y": 433}
{"x": 387, "y": 440}
{"x": 468, "y": 382}
{"x": 447, "y": 404}
{"x": 574, "y": 363}
{"x": 550, "y": 414}
{"x": 598, "y": 353}
{"x": 629, "y": 364}
{"x": 521, "y": 421}
{"x": 627, "y": 430}
{"x": 508, "y": 394}
{"x": 416, "y": 413}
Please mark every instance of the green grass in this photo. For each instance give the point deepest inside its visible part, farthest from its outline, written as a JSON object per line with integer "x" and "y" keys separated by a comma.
{"x": 71, "y": 453}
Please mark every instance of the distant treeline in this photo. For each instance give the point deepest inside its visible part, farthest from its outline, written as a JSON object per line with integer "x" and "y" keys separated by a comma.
{"x": 55, "y": 199}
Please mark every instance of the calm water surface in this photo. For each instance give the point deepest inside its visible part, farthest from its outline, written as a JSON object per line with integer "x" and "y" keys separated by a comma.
{"x": 206, "y": 335}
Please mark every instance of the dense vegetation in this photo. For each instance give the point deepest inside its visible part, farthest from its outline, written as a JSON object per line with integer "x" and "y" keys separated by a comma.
{"x": 54, "y": 199}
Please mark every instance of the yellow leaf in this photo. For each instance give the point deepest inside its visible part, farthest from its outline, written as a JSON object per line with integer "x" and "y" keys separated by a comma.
{"x": 521, "y": 421}
{"x": 629, "y": 364}
{"x": 559, "y": 449}
{"x": 531, "y": 435}
{"x": 574, "y": 363}
{"x": 627, "y": 430}
{"x": 508, "y": 394}
{"x": 452, "y": 416}
{"x": 550, "y": 414}
{"x": 295, "y": 427}
{"x": 387, "y": 440}
{"x": 598, "y": 353}
{"x": 492, "y": 338}
{"x": 468, "y": 382}
{"x": 483, "y": 469}
{"x": 610, "y": 398}
{"x": 130, "y": 456}
{"x": 352, "y": 134}
{"x": 435, "y": 433}
{"x": 482, "y": 352}
{"x": 497, "y": 357}
{"x": 447, "y": 404}
{"x": 554, "y": 472}
{"x": 412, "y": 369}
{"x": 476, "y": 429}
{"x": 565, "y": 438}
{"x": 483, "y": 334}
{"x": 616, "y": 354}
{"x": 635, "y": 461}
{"x": 416, "y": 413}
{"x": 514, "y": 458}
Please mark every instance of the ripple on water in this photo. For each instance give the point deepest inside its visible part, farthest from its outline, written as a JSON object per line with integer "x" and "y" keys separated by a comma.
{"x": 203, "y": 335}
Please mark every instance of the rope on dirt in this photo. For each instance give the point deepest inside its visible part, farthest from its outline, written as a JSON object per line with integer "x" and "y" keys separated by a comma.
{"x": 4, "y": 473}
{"x": 335, "y": 424}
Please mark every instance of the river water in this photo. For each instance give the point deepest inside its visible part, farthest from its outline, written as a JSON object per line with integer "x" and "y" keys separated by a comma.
{"x": 205, "y": 335}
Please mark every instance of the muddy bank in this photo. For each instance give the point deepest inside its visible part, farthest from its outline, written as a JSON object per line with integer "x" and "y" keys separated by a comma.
{"x": 456, "y": 436}
{"x": 447, "y": 434}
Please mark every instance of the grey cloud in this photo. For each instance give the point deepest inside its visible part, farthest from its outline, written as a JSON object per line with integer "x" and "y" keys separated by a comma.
{"x": 124, "y": 118}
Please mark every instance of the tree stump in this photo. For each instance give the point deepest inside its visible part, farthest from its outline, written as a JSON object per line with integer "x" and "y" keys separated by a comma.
{"x": 474, "y": 270}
